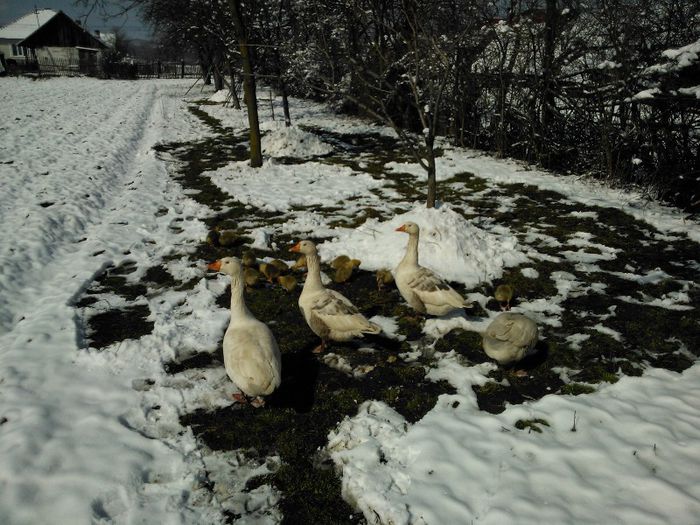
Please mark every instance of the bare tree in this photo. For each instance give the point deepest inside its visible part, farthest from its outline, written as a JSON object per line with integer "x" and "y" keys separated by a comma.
{"x": 251, "y": 100}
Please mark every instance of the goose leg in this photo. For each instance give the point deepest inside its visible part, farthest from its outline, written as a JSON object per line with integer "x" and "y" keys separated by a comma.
{"x": 320, "y": 348}
{"x": 240, "y": 398}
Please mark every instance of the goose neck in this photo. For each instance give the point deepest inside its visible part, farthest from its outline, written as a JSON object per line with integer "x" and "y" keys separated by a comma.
{"x": 411, "y": 256}
{"x": 238, "y": 306}
{"x": 313, "y": 278}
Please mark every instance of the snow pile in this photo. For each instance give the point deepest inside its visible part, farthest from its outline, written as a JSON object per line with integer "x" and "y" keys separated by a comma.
{"x": 449, "y": 245}
{"x": 291, "y": 141}
{"x": 223, "y": 95}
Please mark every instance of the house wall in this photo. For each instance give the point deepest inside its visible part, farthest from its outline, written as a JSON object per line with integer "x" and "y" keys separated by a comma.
{"x": 56, "y": 60}
{"x": 57, "y": 54}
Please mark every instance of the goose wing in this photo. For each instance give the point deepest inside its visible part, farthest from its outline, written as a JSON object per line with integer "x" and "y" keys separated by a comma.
{"x": 433, "y": 290}
{"x": 337, "y": 312}
{"x": 515, "y": 329}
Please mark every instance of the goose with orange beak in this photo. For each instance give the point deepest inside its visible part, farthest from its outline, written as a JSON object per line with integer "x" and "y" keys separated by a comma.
{"x": 251, "y": 355}
{"x": 329, "y": 314}
{"x": 423, "y": 290}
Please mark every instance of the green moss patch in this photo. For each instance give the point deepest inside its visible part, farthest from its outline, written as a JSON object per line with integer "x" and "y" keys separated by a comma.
{"x": 532, "y": 425}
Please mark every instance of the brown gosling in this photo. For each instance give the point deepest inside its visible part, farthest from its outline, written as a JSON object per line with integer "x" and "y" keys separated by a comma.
{"x": 300, "y": 264}
{"x": 384, "y": 277}
{"x": 504, "y": 294}
{"x": 339, "y": 261}
{"x": 288, "y": 282}
{"x": 213, "y": 238}
{"x": 248, "y": 259}
{"x": 251, "y": 276}
{"x": 344, "y": 271}
{"x": 270, "y": 271}
{"x": 280, "y": 265}
{"x": 227, "y": 237}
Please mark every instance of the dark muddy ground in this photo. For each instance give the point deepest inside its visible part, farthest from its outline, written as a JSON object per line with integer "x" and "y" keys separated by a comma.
{"x": 314, "y": 396}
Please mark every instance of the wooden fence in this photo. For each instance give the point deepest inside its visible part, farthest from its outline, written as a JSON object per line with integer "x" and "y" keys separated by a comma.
{"x": 168, "y": 70}
{"x": 65, "y": 67}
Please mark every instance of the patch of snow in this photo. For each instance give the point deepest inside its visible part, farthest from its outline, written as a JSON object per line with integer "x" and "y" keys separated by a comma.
{"x": 530, "y": 273}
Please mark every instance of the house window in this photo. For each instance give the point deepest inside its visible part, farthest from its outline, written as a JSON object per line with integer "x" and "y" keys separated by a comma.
{"x": 19, "y": 50}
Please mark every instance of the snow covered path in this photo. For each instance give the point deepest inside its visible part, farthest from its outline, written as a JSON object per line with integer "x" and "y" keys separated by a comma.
{"x": 51, "y": 193}
{"x": 81, "y": 189}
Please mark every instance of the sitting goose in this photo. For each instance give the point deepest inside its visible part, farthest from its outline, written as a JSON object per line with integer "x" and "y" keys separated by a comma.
{"x": 424, "y": 291}
{"x": 510, "y": 337}
{"x": 251, "y": 356}
{"x": 330, "y": 315}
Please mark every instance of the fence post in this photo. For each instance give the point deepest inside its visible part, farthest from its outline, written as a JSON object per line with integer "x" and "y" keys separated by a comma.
{"x": 182, "y": 70}
{"x": 158, "y": 65}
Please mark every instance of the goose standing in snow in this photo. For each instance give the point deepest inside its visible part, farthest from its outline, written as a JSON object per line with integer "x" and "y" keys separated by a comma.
{"x": 251, "y": 355}
{"x": 510, "y": 337}
{"x": 422, "y": 289}
{"x": 330, "y": 315}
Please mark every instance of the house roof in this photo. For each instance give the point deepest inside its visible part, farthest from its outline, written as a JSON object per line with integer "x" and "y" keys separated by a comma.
{"x": 27, "y": 24}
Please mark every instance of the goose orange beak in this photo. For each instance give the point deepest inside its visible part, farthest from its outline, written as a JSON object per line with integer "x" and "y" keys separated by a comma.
{"x": 401, "y": 228}
{"x": 216, "y": 266}
{"x": 296, "y": 247}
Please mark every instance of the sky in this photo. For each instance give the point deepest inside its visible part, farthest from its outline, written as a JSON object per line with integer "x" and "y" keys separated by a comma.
{"x": 131, "y": 23}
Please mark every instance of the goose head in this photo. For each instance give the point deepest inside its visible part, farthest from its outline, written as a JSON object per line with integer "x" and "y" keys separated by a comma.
{"x": 409, "y": 227}
{"x": 227, "y": 265}
{"x": 306, "y": 247}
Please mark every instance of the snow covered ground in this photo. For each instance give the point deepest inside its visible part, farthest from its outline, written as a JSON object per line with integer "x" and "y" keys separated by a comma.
{"x": 92, "y": 433}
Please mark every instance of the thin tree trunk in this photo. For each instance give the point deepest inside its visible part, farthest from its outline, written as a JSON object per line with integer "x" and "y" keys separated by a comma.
{"x": 432, "y": 182}
{"x": 248, "y": 84}
{"x": 218, "y": 78}
{"x": 285, "y": 104}
{"x": 548, "y": 64}
{"x": 234, "y": 91}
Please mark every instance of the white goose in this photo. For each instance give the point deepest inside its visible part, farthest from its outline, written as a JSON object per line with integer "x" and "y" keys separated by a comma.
{"x": 251, "y": 355}
{"x": 510, "y": 337}
{"x": 424, "y": 291}
{"x": 330, "y": 315}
